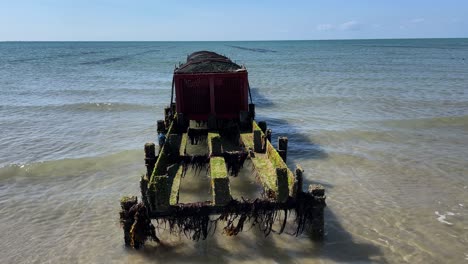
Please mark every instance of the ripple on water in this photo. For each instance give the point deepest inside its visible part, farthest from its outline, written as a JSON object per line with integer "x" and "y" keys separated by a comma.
{"x": 381, "y": 123}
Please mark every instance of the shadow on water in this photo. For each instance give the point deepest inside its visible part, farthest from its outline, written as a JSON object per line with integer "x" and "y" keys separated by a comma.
{"x": 259, "y": 99}
{"x": 340, "y": 246}
{"x": 299, "y": 144}
{"x": 206, "y": 251}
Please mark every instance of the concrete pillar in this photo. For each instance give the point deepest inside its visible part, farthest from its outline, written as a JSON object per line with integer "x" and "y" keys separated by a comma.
{"x": 263, "y": 126}
{"x": 161, "y": 127}
{"x": 282, "y": 183}
{"x": 144, "y": 190}
{"x": 126, "y": 219}
{"x": 150, "y": 158}
{"x": 317, "y": 227}
{"x": 268, "y": 134}
{"x": 299, "y": 181}
{"x": 283, "y": 147}
{"x": 159, "y": 193}
{"x": 258, "y": 141}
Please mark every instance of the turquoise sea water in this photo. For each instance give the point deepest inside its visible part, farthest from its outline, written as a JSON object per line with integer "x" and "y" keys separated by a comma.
{"x": 383, "y": 124}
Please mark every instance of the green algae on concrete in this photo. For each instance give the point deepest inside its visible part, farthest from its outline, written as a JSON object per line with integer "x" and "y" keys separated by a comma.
{"x": 172, "y": 145}
{"x": 163, "y": 160}
{"x": 278, "y": 162}
{"x": 219, "y": 181}
{"x": 159, "y": 193}
{"x": 266, "y": 164}
{"x": 126, "y": 202}
{"x": 183, "y": 145}
{"x": 174, "y": 199}
{"x": 258, "y": 137}
{"x": 265, "y": 172}
{"x": 282, "y": 183}
{"x": 247, "y": 140}
{"x": 161, "y": 164}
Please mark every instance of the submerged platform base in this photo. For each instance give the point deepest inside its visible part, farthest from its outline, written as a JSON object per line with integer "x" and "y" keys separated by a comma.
{"x": 220, "y": 152}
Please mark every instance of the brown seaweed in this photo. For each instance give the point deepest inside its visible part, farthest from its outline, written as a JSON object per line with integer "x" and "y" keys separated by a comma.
{"x": 235, "y": 161}
{"x": 136, "y": 224}
{"x": 197, "y": 162}
{"x": 194, "y": 221}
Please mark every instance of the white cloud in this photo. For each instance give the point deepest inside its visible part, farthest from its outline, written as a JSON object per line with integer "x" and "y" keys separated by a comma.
{"x": 417, "y": 20}
{"x": 325, "y": 27}
{"x": 346, "y": 26}
{"x": 350, "y": 25}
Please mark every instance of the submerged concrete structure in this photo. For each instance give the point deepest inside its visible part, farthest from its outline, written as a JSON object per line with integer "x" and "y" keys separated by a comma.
{"x": 210, "y": 128}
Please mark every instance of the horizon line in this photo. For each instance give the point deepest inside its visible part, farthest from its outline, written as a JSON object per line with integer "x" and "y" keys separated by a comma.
{"x": 265, "y": 40}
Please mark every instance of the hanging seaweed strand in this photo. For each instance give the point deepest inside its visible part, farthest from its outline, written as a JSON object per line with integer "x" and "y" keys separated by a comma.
{"x": 197, "y": 162}
{"x": 235, "y": 161}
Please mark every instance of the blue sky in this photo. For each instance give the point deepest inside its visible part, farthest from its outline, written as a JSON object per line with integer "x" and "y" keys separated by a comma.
{"x": 230, "y": 20}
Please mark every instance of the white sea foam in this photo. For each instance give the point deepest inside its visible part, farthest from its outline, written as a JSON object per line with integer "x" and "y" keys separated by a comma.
{"x": 384, "y": 240}
{"x": 442, "y": 217}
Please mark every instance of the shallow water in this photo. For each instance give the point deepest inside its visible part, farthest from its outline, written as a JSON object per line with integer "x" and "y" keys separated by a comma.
{"x": 382, "y": 124}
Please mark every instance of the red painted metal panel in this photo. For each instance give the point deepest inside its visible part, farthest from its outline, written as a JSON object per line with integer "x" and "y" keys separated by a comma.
{"x": 212, "y": 96}
{"x": 228, "y": 94}
{"x": 224, "y": 94}
{"x": 179, "y": 103}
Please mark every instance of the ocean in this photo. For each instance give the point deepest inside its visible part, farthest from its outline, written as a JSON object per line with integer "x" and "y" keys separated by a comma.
{"x": 382, "y": 124}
